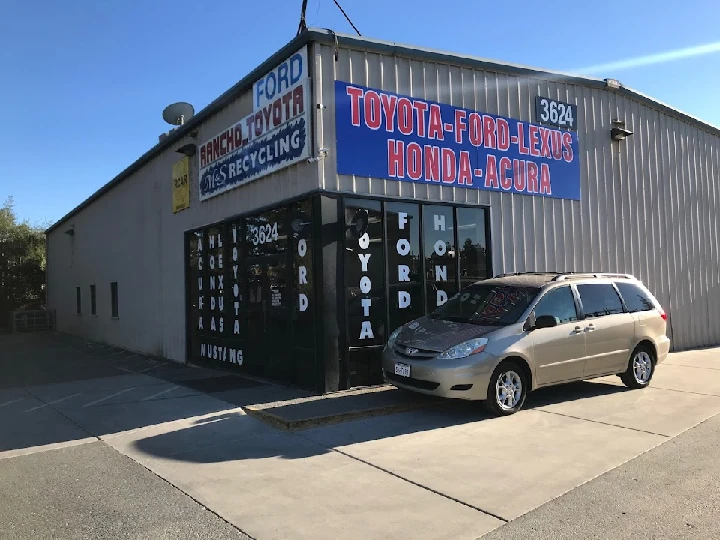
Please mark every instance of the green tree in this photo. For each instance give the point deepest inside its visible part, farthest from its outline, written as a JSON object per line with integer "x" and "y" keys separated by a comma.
{"x": 22, "y": 262}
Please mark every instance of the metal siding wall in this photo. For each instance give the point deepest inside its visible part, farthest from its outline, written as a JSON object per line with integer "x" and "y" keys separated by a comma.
{"x": 131, "y": 236}
{"x": 649, "y": 204}
{"x": 115, "y": 240}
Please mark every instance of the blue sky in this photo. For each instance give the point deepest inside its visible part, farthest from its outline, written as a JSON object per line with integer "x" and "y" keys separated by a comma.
{"x": 83, "y": 83}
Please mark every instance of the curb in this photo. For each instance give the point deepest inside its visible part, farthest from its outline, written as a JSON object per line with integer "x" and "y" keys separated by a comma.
{"x": 319, "y": 421}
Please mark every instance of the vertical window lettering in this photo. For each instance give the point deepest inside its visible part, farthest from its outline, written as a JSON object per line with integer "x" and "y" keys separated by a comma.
{"x": 440, "y": 257}
{"x": 365, "y": 273}
{"x": 404, "y": 263}
{"x": 236, "y": 244}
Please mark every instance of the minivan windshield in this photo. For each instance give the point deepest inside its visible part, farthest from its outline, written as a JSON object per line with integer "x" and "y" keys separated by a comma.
{"x": 487, "y": 305}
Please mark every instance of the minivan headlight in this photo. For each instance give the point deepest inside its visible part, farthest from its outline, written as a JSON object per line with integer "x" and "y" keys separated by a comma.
{"x": 464, "y": 349}
{"x": 393, "y": 337}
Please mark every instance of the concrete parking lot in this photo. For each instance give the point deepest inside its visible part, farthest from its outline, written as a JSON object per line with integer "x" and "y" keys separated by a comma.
{"x": 97, "y": 443}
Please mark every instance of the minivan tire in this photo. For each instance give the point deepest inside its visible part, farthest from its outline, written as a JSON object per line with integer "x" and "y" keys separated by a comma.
{"x": 644, "y": 357}
{"x": 508, "y": 373}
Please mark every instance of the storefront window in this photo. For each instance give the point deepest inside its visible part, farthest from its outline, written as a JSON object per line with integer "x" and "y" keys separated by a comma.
{"x": 302, "y": 246}
{"x": 265, "y": 234}
{"x": 303, "y": 329}
{"x": 404, "y": 263}
{"x": 197, "y": 280}
{"x": 234, "y": 276}
{"x": 214, "y": 297}
{"x": 364, "y": 273}
{"x": 440, "y": 261}
{"x": 473, "y": 245}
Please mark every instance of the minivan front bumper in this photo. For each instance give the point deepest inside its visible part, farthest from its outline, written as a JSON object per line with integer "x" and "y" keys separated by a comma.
{"x": 463, "y": 378}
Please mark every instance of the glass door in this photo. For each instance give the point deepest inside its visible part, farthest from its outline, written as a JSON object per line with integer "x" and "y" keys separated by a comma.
{"x": 268, "y": 321}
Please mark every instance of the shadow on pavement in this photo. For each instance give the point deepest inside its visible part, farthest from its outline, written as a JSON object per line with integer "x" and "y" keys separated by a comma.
{"x": 57, "y": 389}
{"x": 238, "y": 443}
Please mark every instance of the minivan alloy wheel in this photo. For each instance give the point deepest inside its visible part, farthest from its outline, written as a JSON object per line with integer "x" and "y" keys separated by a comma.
{"x": 508, "y": 390}
{"x": 642, "y": 367}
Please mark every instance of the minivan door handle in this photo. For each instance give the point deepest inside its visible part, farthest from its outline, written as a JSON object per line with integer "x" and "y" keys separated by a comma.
{"x": 590, "y": 327}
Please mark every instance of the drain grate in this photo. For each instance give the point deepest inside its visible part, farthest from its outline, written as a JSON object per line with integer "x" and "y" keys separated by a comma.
{"x": 225, "y": 383}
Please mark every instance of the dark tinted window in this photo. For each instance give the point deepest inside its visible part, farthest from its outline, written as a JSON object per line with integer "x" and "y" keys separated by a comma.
{"x": 599, "y": 299}
{"x": 472, "y": 245}
{"x": 217, "y": 309}
{"x": 93, "y": 302}
{"x": 78, "y": 300}
{"x": 558, "y": 303}
{"x": 635, "y": 298}
{"x": 492, "y": 305}
{"x": 265, "y": 234}
{"x": 303, "y": 271}
{"x": 114, "y": 298}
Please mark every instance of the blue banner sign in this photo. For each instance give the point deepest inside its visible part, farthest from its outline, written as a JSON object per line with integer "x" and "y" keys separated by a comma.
{"x": 386, "y": 135}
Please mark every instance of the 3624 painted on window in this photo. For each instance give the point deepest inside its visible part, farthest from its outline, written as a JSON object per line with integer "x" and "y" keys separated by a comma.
{"x": 555, "y": 113}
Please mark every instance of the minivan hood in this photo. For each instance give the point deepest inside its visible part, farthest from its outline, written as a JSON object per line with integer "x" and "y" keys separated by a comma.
{"x": 439, "y": 335}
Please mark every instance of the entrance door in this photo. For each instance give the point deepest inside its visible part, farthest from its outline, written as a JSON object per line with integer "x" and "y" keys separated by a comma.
{"x": 268, "y": 332}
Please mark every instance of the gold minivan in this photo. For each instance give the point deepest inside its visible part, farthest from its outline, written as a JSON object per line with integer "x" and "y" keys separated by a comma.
{"x": 500, "y": 338}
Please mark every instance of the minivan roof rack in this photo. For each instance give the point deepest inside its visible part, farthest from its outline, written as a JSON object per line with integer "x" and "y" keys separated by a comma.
{"x": 561, "y": 276}
{"x": 585, "y": 275}
{"x": 509, "y": 274}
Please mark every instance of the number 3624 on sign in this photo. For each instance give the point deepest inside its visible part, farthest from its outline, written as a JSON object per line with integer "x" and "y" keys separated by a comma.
{"x": 555, "y": 113}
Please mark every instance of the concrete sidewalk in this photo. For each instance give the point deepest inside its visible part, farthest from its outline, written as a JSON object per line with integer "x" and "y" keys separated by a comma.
{"x": 439, "y": 472}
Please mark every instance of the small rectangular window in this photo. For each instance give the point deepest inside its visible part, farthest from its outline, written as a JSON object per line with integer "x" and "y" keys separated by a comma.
{"x": 93, "y": 302}
{"x": 114, "y": 299}
{"x": 599, "y": 299}
{"x": 78, "y": 298}
{"x": 635, "y": 298}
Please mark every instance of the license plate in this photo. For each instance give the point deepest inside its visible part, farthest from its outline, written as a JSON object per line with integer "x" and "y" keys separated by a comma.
{"x": 402, "y": 369}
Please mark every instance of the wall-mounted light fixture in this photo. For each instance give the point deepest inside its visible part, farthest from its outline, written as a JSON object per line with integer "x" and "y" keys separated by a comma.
{"x": 71, "y": 231}
{"x": 187, "y": 149}
{"x": 618, "y": 131}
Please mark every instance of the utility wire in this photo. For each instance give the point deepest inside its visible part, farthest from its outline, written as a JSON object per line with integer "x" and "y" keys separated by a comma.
{"x": 303, "y": 25}
{"x": 346, "y": 16}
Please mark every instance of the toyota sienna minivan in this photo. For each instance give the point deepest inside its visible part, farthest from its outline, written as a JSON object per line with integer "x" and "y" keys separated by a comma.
{"x": 500, "y": 338}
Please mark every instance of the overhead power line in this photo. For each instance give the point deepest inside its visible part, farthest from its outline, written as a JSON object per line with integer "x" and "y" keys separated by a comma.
{"x": 302, "y": 27}
{"x": 348, "y": 18}
{"x": 303, "y": 24}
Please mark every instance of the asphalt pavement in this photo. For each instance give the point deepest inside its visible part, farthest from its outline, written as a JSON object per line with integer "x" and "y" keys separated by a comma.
{"x": 93, "y": 492}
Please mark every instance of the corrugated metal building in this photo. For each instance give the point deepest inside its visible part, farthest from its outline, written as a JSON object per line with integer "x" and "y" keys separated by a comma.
{"x": 451, "y": 168}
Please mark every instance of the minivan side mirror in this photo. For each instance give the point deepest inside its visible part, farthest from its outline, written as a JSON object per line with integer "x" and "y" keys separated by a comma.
{"x": 529, "y": 325}
{"x": 545, "y": 321}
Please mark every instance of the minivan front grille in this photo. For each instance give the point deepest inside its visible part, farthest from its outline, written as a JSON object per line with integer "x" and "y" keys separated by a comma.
{"x": 408, "y": 351}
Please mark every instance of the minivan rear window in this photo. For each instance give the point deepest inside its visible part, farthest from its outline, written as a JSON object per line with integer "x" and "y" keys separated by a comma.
{"x": 635, "y": 298}
{"x": 487, "y": 305}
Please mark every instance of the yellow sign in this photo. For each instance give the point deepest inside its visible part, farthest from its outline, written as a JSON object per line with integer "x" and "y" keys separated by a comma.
{"x": 181, "y": 184}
